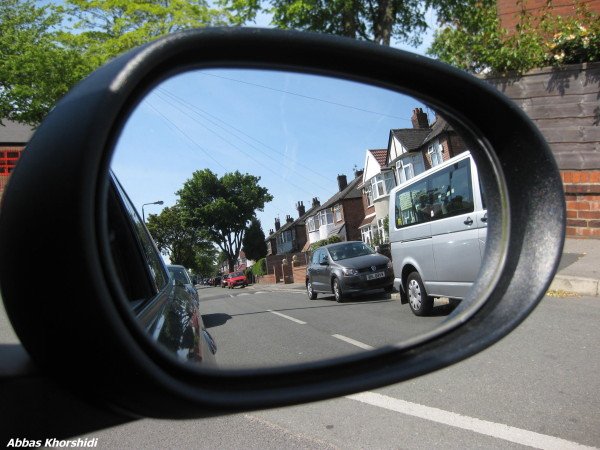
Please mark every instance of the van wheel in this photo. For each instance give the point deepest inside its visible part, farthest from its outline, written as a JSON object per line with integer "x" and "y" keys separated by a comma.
{"x": 420, "y": 303}
{"x": 312, "y": 295}
{"x": 337, "y": 291}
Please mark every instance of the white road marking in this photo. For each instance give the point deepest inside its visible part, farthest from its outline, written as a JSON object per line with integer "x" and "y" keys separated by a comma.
{"x": 241, "y": 295}
{"x": 353, "y": 342}
{"x": 496, "y": 430}
{"x": 261, "y": 292}
{"x": 287, "y": 317}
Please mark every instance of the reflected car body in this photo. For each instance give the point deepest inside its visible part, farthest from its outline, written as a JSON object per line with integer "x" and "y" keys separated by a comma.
{"x": 164, "y": 301}
{"x": 237, "y": 279}
{"x": 347, "y": 268}
{"x": 180, "y": 274}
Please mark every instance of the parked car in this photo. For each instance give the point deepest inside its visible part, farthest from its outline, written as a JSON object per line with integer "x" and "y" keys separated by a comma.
{"x": 437, "y": 233}
{"x": 237, "y": 279}
{"x": 347, "y": 268}
{"x": 224, "y": 281}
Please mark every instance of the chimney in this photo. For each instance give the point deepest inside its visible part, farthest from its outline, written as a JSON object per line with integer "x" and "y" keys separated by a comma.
{"x": 419, "y": 119}
{"x": 342, "y": 182}
{"x": 316, "y": 202}
{"x": 358, "y": 173}
{"x": 301, "y": 209}
{"x": 270, "y": 231}
{"x": 288, "y": 219}
{"x": 277, "y": 224}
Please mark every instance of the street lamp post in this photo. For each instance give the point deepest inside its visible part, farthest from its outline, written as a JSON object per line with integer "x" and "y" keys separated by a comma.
{"x": 160, "y": 202}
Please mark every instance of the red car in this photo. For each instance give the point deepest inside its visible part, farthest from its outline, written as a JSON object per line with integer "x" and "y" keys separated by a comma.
{"x": 236, "y": 279}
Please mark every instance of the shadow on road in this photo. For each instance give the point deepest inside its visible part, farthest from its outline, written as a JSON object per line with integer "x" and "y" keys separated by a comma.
{"x": 215, "y": 319}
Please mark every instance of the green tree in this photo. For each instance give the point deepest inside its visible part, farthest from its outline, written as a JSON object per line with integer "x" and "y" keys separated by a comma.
{"x": 36, "y": 68}
{"x": 222, "y": 207}
{"x": 183, "y": 244}
{"x": 470, "y": 37}
{"x": 372, "y": 20}
{"x": 254, "y": 244}
{"x": 104, "y": 29}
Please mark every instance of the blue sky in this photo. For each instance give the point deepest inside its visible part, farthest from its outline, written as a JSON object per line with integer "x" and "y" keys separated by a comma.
{"x": 296, "y": 131}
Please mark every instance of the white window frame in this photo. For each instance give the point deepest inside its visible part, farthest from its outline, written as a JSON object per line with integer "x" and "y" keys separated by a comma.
{"x": 337, "y": 213}
{"x": 311, "y": 224}
{"x": 382, "y": 184}
{"x": 436, "y": 153}
{"x": 369, "y": 194}
{"x": 405, "y": 170}
{"x": 366, "y": 235}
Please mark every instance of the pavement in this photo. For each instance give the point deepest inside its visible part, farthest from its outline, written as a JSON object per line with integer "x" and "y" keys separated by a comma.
{"x": 578, "y": 271}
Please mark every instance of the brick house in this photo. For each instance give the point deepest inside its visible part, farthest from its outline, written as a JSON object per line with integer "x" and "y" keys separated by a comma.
{"x": 292, "y": 236}
{"x": 14, "y": 137}
{"x": 340, "y": 216}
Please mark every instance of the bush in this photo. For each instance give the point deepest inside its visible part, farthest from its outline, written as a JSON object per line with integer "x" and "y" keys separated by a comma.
{"x": 322, "y": 242}
{"x": 259, "y": 268}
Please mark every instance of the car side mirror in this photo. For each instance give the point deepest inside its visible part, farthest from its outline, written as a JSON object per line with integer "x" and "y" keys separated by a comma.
{"x": 69, "y": 158}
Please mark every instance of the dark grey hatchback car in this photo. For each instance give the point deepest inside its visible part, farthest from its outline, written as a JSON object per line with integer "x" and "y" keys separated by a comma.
{"x": 347, "y": 268}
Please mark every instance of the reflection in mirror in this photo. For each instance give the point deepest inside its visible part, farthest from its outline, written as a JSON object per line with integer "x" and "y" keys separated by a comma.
{"x": 258, "y": 170}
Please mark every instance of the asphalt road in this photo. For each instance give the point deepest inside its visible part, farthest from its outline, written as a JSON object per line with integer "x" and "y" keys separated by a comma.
{"x": 258, "y": 327}
{"x": 539, "y": 387}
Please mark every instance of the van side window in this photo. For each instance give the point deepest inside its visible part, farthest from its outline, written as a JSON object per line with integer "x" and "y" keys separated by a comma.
{"x": 451, "y": 191}
{"x": 446, "y": 193}
{"x": 412, "y": 205}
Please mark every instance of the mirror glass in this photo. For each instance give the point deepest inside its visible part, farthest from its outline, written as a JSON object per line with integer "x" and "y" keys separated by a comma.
{"x": 242, "y": 175}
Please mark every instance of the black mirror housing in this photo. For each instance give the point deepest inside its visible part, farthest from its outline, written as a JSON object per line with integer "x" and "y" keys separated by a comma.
{"x": 65, "y": 168}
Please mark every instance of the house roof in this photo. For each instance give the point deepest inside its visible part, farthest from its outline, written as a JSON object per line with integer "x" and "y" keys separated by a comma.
{"x": 351, "y": 191}
{"x": 15, "y": 132}
{"x": 299, "y": 221}
{"x": 380, "y": 156}
{"x": 411, "y": 138}
{"x": 414, "y": 138}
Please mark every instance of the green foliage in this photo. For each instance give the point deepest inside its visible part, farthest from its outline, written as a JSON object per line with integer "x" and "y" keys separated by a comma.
{"x": 254, "y": 244}
{"x": 259, "y": 268}
{"x": 470, "y": 37}
{"x": 377, "y": 21}
{"x": 36, "y": 69}
{"x": 184, "y": 244}
{"x": 46, "y": 50}
{"x": 221, "y": 207}
{"x": 330, "y": 240}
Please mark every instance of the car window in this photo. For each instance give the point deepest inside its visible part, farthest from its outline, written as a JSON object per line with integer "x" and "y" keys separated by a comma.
{"x": 352, "y": 250}
{"x": 156, "y": 268}
{"x": 180, "y": 274}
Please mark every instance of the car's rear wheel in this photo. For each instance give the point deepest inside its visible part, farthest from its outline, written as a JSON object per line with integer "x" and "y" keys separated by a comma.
{"x": 420, "y": 303}
{"x": 337, "y": 291}
{"x": 312, "y": 295}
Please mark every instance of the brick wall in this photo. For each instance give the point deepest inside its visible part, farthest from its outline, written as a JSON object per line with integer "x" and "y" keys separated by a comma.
{"x": 582, "y": 194}
{"x": 354, "y": 215}
{"x": 509, "y": 10}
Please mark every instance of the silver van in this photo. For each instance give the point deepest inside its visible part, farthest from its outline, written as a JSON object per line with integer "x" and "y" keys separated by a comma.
{"x": 438, "y": 228}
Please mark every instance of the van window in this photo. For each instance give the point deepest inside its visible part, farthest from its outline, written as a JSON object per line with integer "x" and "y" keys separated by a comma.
{"x": 446, "y": 193}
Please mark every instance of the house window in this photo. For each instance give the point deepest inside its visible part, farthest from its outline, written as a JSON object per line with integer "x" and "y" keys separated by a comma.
{"x": 435, "y": 153}
{"x": 369, "y": 195}
{"x": 405, "y": 170}
{"x": 337, "y": 212}
{"x": 366, "y": 235}
{"x": 381, "y": 231}
{"x": 382, "y": 184}
{"x": 326, "y": 217}
{"x": 311, "y": 224}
